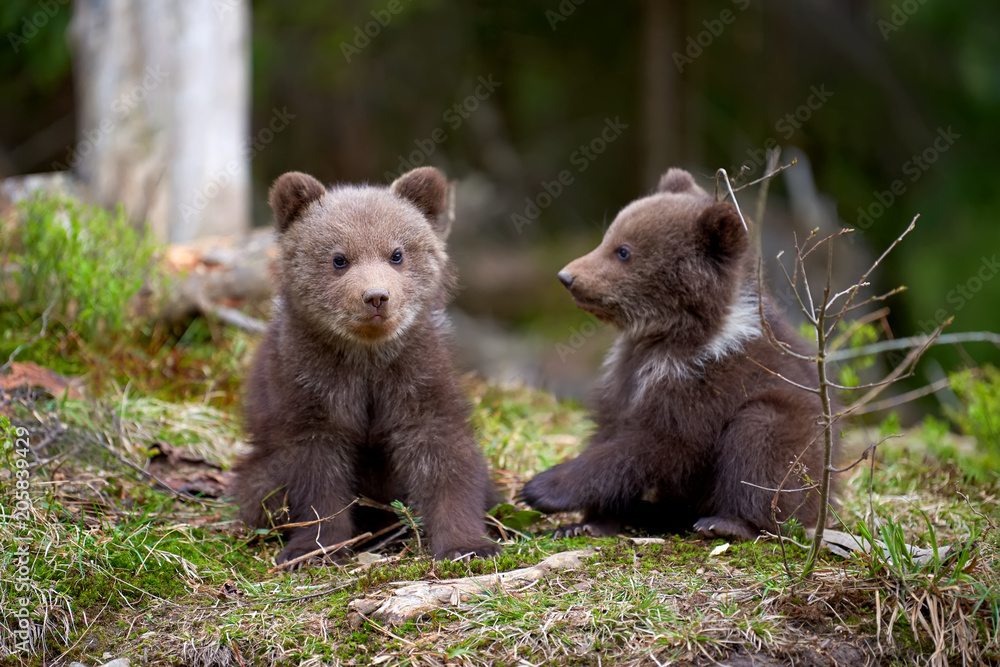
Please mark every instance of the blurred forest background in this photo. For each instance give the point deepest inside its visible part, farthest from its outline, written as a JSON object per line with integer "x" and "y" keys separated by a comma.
{"x": 879, "y": 100}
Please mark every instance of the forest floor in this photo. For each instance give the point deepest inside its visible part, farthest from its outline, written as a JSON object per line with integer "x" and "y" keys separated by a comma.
{"x": 118, "y": 565}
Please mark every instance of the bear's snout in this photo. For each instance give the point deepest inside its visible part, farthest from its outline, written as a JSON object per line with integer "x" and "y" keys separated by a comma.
{"x": 566, "y": 278}
{"x": 376, "y": 297}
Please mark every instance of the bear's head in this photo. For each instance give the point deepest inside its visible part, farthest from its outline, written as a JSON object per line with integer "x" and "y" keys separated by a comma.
{"x": 362, "y": 262}
{"x": 670, "y": 266}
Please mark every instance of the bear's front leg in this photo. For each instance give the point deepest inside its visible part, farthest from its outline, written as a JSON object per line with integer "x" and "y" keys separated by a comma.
{"x": 318, "y": 478}
{"x": 602, "y": 480}
{"x": 767, "y": 453}
{"x": 445, "y": 476}
{"x": 558, "y": 489}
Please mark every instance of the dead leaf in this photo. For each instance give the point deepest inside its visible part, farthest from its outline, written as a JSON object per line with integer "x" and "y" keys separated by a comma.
{"x": 229, "y": 590}
{"x": 28, "y": 374}
{"x": 719, "y": 550}
{"x": 186, "y": 472}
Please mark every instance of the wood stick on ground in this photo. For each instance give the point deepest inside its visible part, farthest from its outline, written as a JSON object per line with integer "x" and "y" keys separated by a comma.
{"x": 322, "y": 551}
{"x": 415, "y": 598}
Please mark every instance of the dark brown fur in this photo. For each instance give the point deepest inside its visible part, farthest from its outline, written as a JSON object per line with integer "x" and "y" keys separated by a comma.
{"x": 691, "y": 434}
{"x": 352, "y": 391}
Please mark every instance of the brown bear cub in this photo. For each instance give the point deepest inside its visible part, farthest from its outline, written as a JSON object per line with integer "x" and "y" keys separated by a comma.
{"x": 352, "y": 392}
{"x": 691, "y": 434}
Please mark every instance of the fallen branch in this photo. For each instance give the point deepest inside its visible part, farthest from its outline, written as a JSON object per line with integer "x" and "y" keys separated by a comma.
{"x": 903, "y": 370}
{"x": 415, "y": 598}
{"x": 211, "y": 275}
{"x": 915, "y": 341}
{"x": 902, "y": 399}
{"x": 322, "y": 551}
{"x": 239, "y": 319}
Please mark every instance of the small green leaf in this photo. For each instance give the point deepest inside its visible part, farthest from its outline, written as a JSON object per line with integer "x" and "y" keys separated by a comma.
{"x": 513, "y": 518}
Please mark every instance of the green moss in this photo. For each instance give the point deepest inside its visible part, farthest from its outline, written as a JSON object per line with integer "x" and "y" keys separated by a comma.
{"x": 80, "y": 266}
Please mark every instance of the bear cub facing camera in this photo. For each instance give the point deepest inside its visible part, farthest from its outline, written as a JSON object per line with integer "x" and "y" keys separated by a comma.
{"x": 352, "y": 391}
{"x": 691, "y": 432}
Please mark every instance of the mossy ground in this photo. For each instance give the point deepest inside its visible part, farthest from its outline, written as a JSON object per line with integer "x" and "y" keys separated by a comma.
{"x": 122, "y": 568}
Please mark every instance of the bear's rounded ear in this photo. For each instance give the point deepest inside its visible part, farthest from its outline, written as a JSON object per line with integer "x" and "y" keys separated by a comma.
{"x": 676, "y": 180}
{"x": 427, "y": 189}
{"x": 721, "y": 232}
{"x": 290, "y": 195}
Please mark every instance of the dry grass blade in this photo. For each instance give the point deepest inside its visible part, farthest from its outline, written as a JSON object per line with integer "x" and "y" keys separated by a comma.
{"x": 322, "y": 551}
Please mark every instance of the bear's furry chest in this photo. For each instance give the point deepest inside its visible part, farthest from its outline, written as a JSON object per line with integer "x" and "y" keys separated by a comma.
{"x": 354, "y": 398}
{"x": 365, "y": 405}
{"x": 679, "y": 401}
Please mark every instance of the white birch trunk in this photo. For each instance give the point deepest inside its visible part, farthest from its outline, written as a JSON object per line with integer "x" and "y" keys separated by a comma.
{"x": 163, "y": 108}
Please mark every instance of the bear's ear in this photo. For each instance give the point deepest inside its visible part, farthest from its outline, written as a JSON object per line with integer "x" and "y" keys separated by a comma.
{"x": 676, "y": 180}
{"x": 290, "y": 195}
{"x": 721, "y": 232}
{"x": 427, "y": 189}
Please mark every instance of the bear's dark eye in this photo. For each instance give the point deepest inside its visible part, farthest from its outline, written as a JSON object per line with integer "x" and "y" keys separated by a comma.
{"x": 397, "y": 257}
{"x": 339, "y": 261}
{"x": 623, "y": 253}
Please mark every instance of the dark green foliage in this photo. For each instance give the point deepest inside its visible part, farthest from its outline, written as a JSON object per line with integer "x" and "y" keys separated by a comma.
{"x": 511, "y": 517}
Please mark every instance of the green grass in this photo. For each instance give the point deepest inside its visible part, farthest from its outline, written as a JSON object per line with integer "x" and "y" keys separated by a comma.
{"x": 75, "y": 269}
{"x": 79, "y": 290}
{"x": 979, "y": 416}
{"x": 108, "y": 549}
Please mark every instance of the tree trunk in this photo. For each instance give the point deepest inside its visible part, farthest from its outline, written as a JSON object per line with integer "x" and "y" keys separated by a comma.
{"x": 163, "y": 104}
{"x": 661, "y": 88}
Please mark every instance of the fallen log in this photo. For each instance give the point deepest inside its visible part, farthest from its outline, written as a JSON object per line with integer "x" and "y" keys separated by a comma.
{"x": 216, "y": 275}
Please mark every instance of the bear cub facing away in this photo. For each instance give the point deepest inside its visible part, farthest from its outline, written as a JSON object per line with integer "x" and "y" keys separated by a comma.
{"x": 691, "y": 434}
{"x": 352, "y": 391}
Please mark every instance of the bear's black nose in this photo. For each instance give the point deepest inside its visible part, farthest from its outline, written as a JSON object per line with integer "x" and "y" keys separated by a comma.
{"x": 376, "y": 296}
{"x": 566, "y": 278}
